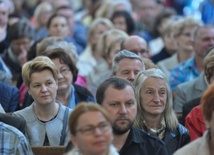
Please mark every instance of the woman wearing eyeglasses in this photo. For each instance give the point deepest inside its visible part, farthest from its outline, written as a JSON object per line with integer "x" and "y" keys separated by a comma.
{"x": 91, "y": 131}
{"x": 68, "y": 93}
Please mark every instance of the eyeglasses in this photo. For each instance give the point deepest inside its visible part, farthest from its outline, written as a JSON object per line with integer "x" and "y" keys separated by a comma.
{"x": 186, "y": 34}
{"x": 64, "y": 71}
{"x": 90, "y": 129}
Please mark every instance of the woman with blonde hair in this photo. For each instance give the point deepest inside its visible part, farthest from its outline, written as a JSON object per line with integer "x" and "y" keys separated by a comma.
{"x": 90, "y": 56}
{"x": 155, "y": 114}
{"x": 109, "y": 44}
{"x": 46, "y": 118}
{"x": 91, "y": 130}
{"x": 40, "y": 18}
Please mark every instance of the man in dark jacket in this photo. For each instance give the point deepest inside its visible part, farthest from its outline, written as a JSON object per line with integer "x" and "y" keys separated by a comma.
{"x": 116, "y": 95}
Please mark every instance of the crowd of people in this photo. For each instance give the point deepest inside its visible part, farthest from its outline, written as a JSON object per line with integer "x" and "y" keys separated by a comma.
{"x": 107, "y": 77}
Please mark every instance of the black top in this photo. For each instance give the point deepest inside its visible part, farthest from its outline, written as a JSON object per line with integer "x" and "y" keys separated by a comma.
{"x": 163, "y": 54}
{"x": 139, "y": 142}
{"x": 175, "y": 139}
{"x": 14, "y": 121}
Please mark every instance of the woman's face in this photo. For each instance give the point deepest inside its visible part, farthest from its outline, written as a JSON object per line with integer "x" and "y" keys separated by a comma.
{"x": 59, "y": 27}
{"x": 99, "y": 30}
{"x": 43, "y": 87}
{"x": 93, "y": 133}
{"x": 170, "y": 42}
{"x": 120, "y": 23}
{"x": 114, "y": 50}
{"x": 184, "y": 40}
{"x": 65, "y": 76}
{"x": 44, "y": 17}
{"x": 153, "y": 96}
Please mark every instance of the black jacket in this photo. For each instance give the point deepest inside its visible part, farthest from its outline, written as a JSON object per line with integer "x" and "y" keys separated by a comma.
{"x": 139, "y": 142}
{"x": 175, "y": 139}
{"x": 14, "y": 121}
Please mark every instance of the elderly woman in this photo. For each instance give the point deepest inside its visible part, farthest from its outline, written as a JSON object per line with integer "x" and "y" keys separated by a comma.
{"x": 91, "y": 131}
{"x": 46, "y": 118}
{"x": 68, "y": 93}
{"x": 155, "y": 114}
{"x": 205, "y": 144}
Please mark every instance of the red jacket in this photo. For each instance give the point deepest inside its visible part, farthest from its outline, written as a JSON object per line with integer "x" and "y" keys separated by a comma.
{"x": 194, "y": 122}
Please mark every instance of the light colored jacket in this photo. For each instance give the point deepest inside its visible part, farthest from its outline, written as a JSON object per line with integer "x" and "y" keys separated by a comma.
{"x": 76, "y": 151}
{"x": 188, "y": 91}
{"x": 36, "y": 129}
{"x": 199, "y": 146}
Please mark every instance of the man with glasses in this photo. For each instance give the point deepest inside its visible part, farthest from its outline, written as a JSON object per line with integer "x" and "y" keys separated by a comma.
{"x": 117, "y": 96}
{"x": 137, "y": 45}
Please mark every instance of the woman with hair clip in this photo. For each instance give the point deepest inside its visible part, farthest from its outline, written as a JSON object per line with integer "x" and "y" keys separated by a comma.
{"x": 155, "y": 114}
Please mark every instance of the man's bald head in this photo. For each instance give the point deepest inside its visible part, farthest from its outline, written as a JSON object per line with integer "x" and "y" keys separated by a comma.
{"x": 137, "y": 45}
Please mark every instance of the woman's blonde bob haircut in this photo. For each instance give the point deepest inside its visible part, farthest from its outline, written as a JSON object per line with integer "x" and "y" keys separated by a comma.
{"x": 82, "y": 108}
{"x": 168, "y": 114}
{"x": 39, "y": 64}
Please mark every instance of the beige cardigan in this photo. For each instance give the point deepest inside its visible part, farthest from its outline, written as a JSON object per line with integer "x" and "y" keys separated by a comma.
{"x": 199, "y": 146}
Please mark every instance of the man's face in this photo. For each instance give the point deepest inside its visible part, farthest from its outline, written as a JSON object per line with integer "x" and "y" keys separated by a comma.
{"x": 20, "y": 47}
{"x": 203, "y": 41}
{"x": 137, "y": 45}
{"x": 147, "y": 11}
{"x": 122, "y": 107}
{"x": 68, "y": 13}
{"x": 4, "y": 13}
{"x": 129, "y": 68}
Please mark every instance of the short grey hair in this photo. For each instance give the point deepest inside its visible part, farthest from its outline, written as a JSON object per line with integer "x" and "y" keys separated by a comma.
{"x": 124, "y": 54}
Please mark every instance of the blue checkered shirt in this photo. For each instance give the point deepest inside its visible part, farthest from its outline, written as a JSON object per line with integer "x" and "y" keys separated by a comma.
{"x": 13, "y": 142}
{"x": 184, "y": 72}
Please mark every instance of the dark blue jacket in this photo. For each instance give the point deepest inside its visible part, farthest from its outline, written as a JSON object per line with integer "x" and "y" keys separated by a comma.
{"x": 9, "y": 97}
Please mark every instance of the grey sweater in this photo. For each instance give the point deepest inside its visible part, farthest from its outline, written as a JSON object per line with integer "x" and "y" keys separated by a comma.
{"x": 36, "y": 129}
